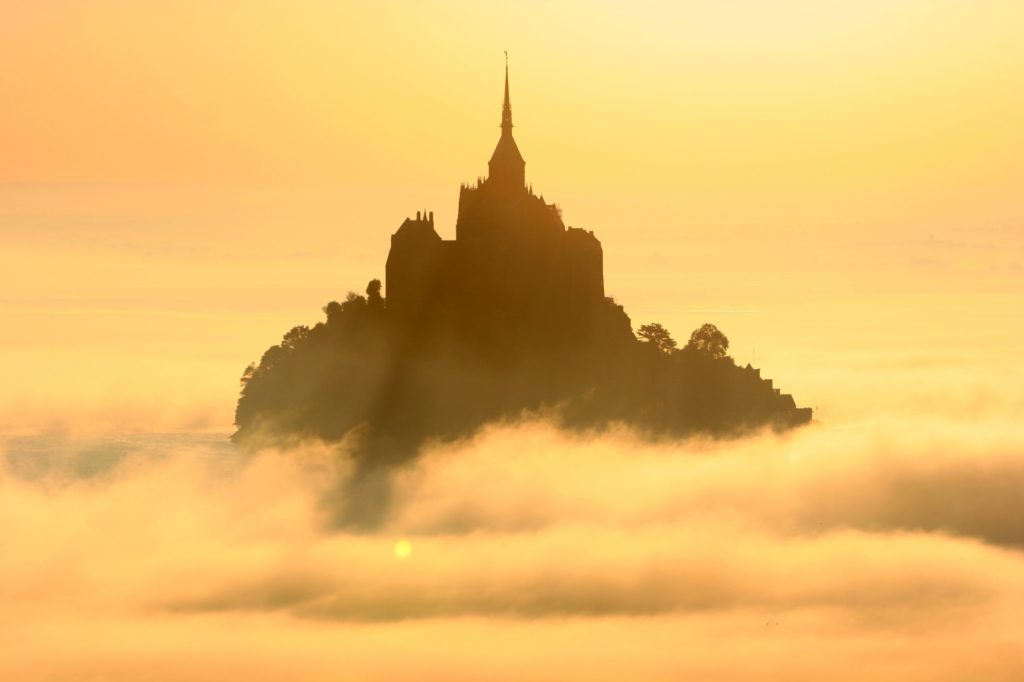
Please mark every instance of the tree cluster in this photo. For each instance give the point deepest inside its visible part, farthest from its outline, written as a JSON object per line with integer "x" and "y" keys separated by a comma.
{"x": 393, "y": 383}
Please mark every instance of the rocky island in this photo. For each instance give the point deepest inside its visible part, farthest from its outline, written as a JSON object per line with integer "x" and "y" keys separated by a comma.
{"x": 509, "y": 319}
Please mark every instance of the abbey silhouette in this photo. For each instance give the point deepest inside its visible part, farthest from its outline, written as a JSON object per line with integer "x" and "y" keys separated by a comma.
{"x": 509, "y": 319}
{"x": 510, "y": 253}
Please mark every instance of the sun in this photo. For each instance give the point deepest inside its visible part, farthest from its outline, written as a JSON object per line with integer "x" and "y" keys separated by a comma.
{"x": 403, "y": 549}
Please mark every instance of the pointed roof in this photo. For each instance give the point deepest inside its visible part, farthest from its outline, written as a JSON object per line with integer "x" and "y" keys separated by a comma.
{"x": 506, "y": 109}
{"x": 507, "y": 150}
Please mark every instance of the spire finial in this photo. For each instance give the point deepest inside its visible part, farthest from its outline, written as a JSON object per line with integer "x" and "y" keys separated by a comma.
{"x": 506, "y": 110}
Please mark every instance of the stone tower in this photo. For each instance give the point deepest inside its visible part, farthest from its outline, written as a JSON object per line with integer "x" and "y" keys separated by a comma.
{"x": 512, "y": 262}
{"x": 507, "y": 169}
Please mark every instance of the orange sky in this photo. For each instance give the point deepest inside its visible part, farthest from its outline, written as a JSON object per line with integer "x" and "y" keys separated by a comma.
{"x": 835, "y": 100}
{"x": 841, "y": 175}
{"x": 837, "y": 184}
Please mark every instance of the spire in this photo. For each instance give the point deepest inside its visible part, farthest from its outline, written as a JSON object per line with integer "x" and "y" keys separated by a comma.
{"x": 507, "y": 168}
{"x": 506, "y": 110}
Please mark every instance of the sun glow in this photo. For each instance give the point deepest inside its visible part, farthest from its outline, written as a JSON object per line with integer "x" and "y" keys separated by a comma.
{"x": 403, "y": 549}
{"x": 836, "y": 184}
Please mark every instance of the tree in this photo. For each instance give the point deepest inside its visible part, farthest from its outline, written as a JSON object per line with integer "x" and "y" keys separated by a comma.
{"x": 373, "y": 298}
{"x": 295, "y": 337}
{"x": 349, "y": 312}
{"x": 709, "y": 340}
{"x": 658, "y": 335}
{"x": 333, "y": 312}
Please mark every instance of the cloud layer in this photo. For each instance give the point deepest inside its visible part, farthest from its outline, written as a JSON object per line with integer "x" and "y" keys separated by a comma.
{"x": 886, "y": 550}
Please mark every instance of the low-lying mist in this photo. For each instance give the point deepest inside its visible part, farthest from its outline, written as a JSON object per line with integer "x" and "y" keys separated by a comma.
{"x": 891, "y": 547}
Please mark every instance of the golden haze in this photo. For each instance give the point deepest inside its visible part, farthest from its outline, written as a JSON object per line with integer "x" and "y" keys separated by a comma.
{"x": 835, "y": 184}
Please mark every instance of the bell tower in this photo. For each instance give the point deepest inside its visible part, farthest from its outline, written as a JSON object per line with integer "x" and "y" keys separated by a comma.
{"x": 507, "y": 169}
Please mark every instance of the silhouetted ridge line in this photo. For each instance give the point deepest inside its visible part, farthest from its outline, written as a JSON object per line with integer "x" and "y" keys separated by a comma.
{"x": 509, "y": 318}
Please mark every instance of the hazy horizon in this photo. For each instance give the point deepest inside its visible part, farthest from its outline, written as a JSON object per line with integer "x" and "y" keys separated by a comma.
{"x": 836, "y": 185}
